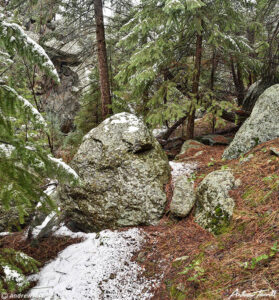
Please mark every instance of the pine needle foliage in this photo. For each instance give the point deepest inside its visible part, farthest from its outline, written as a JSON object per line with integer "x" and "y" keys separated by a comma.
{"x": 13, "y": 267}
{"x": 24, "y": 163}
{"x": 162, "y": 46}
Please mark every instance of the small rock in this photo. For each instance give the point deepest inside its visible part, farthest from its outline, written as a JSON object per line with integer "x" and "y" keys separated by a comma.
{"x": 190, "y": 144}
{"x": 214, "y": 206}
{"x": 246, "y": 159}
{"x": 274, "y": 151}
{"x": 198, "y": 153}
{"x": 183, "y": 197}
{"x": 238, "y": 183}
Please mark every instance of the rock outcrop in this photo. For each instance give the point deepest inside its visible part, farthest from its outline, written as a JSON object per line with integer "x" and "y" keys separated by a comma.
{"x": 183, "y": 198}
{"x": 60, "y": 102}
{"x": 260, "y": 127}
{"x": 123, "y": 170}
{"x": 254, "y": 92}
{"x": 214, "y": 206}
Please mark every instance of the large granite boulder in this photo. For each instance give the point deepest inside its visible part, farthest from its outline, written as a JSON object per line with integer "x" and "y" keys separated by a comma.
{"x": 214, "y": 206}
{"x": 183, "y": 198}
{"x": 260, "y": 127}
{"x": 123, "y": 170}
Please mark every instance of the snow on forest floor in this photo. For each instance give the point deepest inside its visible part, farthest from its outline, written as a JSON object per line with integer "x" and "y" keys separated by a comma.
{"x": 182, "y": 168}
{"x": 101, "y": 266}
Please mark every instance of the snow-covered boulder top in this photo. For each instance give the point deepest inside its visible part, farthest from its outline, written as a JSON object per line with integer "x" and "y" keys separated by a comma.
{"x": 123, "y": 132}
{"x": 260, "y": 127}
{"x": 124, "y": 171}
{"x": 67, "y": 52}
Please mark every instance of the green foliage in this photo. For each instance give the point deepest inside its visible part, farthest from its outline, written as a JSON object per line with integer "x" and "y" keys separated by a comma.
{"x": 25, "y": 161}
{"x": 90, "y": 115}
{"x": 13, "y": 266}
{"x": 15, "y": 41}
{"x": 159, "y": 72}
{"x": 255, "y": 261}
{"x": 196, "y": 270}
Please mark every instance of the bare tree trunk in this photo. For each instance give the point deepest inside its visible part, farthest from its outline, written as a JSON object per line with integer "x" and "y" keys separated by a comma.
{"x": 241, "y": 88}
{"x": 195, "y": 87}
{"x": 238, "y": 82}
{"x": 102, "y": 59}
{"x": 212, "y": 81}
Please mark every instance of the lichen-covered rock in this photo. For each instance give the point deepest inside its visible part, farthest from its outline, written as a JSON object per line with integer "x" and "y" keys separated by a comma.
{"x": 190, "y": 144}
{"x": 254, "y": 92}
{"x": 123, "y": 170}
{"x": 183, "y": 198}
{"x": 214, "y": 206}
{"x": 260, "y": 127}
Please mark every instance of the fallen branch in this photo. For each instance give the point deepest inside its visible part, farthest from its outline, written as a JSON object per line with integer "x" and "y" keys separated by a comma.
{"x": 165, "y": 135}
{"x": 236, "y": 116}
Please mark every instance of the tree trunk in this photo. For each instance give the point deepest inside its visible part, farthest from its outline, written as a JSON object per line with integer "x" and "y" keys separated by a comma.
{"x": 238, "y": 82}
{"x": 212, "y": 81}
{"x": 102, "y": 59}
{"x": 241, "y": 88}
{"x": 195, "y": 88}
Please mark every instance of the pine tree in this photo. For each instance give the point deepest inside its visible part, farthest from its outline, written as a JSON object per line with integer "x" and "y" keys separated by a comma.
{"x": 24, "y": 164}
{"x": 102, "y": 59}
{"x": 162, "y": 46}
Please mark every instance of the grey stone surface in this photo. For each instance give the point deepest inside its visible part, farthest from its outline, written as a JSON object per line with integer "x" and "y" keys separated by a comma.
{"x": 260, "y": 127}
{"x": 254, "y": 92}
{"x": 214, "y": 206}
{"x": 183, "y": 198}
{"x": 246, "y": 159}
{"x": 190, "y": 144}
{"x": 60, "y": 101}
{"x": 123, "y": 170}
{"x": 274, "y": 151}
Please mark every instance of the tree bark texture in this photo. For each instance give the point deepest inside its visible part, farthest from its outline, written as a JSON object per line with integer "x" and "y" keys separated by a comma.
{"x": 195, "y": 87}
{"x": 102, "y": 59}
{"x": 238, "y": 82}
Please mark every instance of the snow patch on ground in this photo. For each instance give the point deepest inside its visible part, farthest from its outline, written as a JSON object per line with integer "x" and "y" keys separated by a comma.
{"x": 158, "y": 131}
{"x": 98, "y": 268}
{"x": 181, "y": 168}
{"x": 4, "y": 233}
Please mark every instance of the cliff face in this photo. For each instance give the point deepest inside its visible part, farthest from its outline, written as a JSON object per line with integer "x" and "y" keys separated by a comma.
{"x": 60, "y": 102}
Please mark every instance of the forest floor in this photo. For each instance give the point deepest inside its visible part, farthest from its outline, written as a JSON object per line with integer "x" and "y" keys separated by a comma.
{"x": 177, "y": 259}
{"x": 244, "y": 258}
